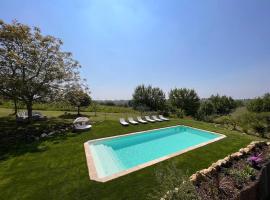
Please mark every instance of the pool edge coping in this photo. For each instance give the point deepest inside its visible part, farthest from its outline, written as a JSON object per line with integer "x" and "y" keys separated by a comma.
{"x": 93, "y": 175}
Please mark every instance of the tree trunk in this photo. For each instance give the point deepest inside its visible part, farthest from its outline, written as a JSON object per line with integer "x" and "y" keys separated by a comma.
{"x": 15, "y": 106}
{"x": 78, "y": 110}
{"x": 29, "y": 109}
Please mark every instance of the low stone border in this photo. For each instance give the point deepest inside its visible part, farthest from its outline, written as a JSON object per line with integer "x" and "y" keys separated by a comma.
{"x": 201, "y": 175}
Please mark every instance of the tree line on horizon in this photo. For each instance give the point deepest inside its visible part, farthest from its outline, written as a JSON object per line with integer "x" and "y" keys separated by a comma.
{"x": 184, "y": 101}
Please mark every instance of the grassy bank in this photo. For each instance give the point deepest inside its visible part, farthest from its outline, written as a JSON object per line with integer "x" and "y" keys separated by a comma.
{"x": 56, "y": 168}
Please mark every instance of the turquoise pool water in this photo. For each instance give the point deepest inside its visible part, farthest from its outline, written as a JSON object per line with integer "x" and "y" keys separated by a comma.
{"x": 117, "y": 154}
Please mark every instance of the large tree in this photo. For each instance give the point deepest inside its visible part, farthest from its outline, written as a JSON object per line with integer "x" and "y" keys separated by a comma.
{"x": 222, "y": 104}
{"x": 78, "y": 97}
{"x": 185, "y": 99}
{"x": 148, "y": 98}
{"x": 260, "y": 104}
{"x": 32, "y": 66}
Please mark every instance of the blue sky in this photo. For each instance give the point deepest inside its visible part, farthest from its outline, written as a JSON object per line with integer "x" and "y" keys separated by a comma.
{"x": 212, "y": 46}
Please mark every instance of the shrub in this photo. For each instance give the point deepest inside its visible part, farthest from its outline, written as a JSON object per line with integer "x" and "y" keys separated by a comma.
{"x": 260, "y": 104}
{"x": 148, "y": 96}
{"x": 206, "y": 111}
{"x": 259, "y": 127}
{"x": 227, "y": 120}
{"x": 222, "y": 104}
{"x": 173, "y": 183}
{"x": 256, "y": 122}
{"x": 185, "y": 99}
{"x": 180, "y": 113}
{"x": 207, "y": 108}
{"x": 242, "y": 176}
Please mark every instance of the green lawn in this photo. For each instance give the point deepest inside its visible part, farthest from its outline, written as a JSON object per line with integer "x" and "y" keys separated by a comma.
{"x": 56, "y": 168}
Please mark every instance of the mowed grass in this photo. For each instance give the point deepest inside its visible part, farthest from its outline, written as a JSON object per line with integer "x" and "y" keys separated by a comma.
{"x": 99, "y": 116}
{"x": 56, "y": 168}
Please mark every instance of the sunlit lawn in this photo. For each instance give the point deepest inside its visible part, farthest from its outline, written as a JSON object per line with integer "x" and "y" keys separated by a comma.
{"x": 56, "y": 168}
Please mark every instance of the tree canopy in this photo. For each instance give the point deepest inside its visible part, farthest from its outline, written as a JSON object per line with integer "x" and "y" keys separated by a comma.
{"x": 78, "y": 97}
{"x": 222, "y": 104}
{"x": 260, "y": 104}
{"x": 148, "y": 98}
{"x": 185, "y": 99}
{"x": 32, "y": 66}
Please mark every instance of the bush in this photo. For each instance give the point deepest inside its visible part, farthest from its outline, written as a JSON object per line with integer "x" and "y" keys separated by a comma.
{"x": 206, "y": 111}
{"x": 150, "y": 97}
{"x": 185, "y": 99}
{"x": 227, "y": 120}
{"x": 222, "y": 104}
{"x": 260, "y": 104}
{"x": 259, "y": 127}
{"x": 242, "y": 176}
{"x": 169, "y": 178}
{"x": 180, "y": 113}
{"x": 256, "y": 122}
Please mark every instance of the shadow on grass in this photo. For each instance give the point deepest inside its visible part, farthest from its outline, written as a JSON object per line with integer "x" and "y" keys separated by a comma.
{"x": 19, "y": 138}
{"x": 67, "y": 115}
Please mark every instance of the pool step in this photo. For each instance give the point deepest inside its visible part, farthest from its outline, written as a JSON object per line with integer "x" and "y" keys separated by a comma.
{"x": 106, "y": 160}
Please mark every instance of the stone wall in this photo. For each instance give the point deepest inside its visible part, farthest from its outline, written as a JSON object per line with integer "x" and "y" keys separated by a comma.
{"x": 260, "y": 189}
{"x": 202, "y": 174}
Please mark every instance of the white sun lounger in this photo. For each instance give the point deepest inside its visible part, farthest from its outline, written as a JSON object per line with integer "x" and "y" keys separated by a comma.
{"x": 22, "y": 116}
{"x": 132, "y": 121}
{"x": 149, "y": 119}
{"x": 163, "y": 118}
{"x": 80, "y": 127}
{"x": 123, "y": 122}
{"x": 81, "y": 124}
{"x": 141, "y": 120}
{"x": 157, "y": 119}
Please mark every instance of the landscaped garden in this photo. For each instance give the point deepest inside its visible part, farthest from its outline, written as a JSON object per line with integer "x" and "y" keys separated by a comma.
{"x": 56, "y": 168}
{"x": 42, "y": 155}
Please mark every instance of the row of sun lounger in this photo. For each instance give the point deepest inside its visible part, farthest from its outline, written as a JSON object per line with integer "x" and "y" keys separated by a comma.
{"x": 146, "y": 119}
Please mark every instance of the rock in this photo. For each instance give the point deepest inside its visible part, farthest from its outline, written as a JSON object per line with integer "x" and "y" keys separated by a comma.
{"x": 236, "y": 155}
{"x": 244, "y": 150}
{"x": 208, "y": 171}
{"x": 193, "y": 178}
{"x": 268, "y": 143}
{"x": 51, "y": 133}
{"x": 43, "y": 135}
{"x": 220, "y": 163}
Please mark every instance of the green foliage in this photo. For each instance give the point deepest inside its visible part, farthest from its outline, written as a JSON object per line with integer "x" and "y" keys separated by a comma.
{"x": 148, "y": 98}
{"x": 227, "y": 120}
{"x": 173, "y": 183}
{"x": 222, "y": 104}
{"x": 62, "y": 161}
{"x": 107, "y": 103}
{"x": 260, "y": 104}
{"x": 241, "y": 176}
{"x": 257, "y": 122}
{"x": 180, "y": 113}
{"x": 76, "y": 96}
{"x": 32, "y": 66}
{"x": 206, "y": 110}
{"x": 185, "y": 99}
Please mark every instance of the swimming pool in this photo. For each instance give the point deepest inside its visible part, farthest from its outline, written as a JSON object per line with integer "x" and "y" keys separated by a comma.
{"x": 109, "y": 158}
